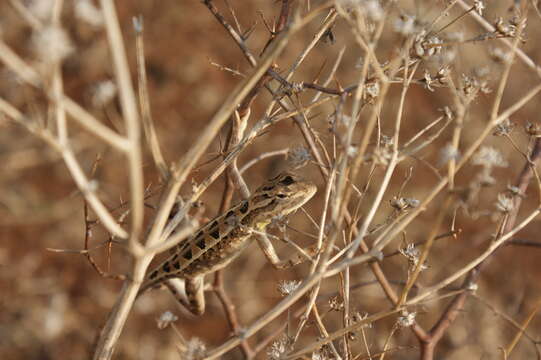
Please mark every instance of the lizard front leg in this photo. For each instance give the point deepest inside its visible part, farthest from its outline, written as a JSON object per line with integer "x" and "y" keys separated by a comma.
{"x": 270, "y": 253}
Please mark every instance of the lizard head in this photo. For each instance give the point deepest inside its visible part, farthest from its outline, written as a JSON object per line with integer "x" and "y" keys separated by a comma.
{"x": 281, "y": 195}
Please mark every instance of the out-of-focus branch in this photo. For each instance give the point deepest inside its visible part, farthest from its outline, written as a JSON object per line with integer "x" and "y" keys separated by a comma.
{"x": 85, "y": 119}
{"x": 159, "y": 232}
{"x": 131, "y": 120}
{"x": 85, "y": 186}
{"x": 144, "y": 103}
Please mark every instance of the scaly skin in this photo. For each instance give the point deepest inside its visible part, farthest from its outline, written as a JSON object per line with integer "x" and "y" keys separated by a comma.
{"x": 222, "y": 239}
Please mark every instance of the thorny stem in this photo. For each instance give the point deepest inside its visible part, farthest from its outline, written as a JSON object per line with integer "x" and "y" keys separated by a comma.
{"x": 428, "y": 344}
{"x": 111, "y": 332}
{"x": 238, "y": 125}
{"x": 131, "y": 117}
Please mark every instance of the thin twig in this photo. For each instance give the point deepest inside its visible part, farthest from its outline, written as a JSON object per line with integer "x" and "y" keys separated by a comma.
{"x": 144, "y": 103}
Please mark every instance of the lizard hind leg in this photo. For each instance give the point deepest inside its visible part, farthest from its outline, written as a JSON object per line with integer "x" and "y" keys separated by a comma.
{"x": 193, "y": 296}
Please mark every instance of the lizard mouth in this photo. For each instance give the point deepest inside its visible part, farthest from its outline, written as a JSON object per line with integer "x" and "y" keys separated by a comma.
{"x": 302, "y": 199}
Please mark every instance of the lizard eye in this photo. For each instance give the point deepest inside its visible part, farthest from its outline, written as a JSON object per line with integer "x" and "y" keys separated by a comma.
{"x": 288, "y": 180}
{"x": 281, "y": 196}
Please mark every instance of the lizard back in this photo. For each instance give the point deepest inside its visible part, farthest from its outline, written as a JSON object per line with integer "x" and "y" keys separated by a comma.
{"x": 224, "y": 237}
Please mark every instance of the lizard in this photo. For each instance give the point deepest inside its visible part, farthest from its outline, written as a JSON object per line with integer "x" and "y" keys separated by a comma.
{"x": 223, "y": 238}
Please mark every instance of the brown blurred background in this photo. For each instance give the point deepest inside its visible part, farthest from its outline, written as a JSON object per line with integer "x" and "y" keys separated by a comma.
{"x": 53, "y": 304}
